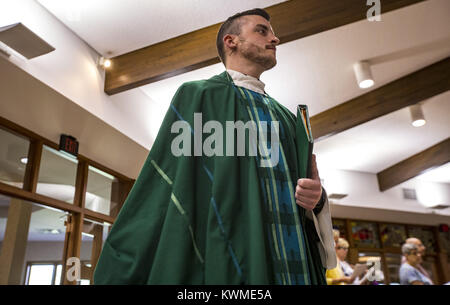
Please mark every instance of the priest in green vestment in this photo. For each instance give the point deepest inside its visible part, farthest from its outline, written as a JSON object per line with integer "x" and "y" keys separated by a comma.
{"x": 212, "y": 205}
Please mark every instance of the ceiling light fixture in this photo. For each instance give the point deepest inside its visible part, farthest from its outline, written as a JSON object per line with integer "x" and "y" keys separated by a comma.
{"x": 51, "y": 231}
{"x": 417, "y": 117}
{"x": 24, "y": 160}
{"x": 87, "y": 234}
{"x": 105, "y": 63}
{"x": 363, "y": 74}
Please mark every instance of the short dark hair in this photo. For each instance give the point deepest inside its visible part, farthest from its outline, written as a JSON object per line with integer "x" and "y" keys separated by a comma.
{"x": 233, "y": 26}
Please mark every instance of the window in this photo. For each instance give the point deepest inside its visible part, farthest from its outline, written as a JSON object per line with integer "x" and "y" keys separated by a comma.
{"x": 392, "y": 235}
{"x": 57, "y": 175}
{"x": 13, "y": 158}
{"x": 32, "y": 233}
{"x": 103, "y": 192}
{"x": 339, "y": 224}
{"x": 393, "y": 262}
{"x": 445, "y": 241}
{"x": 99, "y": 190}
{"x": 33, "y": 237}
{"x": 43, "y": 274}
{"x": 93, "y": 237}
{"x": 365, "y": 234}
{"x": 4, "y": 207}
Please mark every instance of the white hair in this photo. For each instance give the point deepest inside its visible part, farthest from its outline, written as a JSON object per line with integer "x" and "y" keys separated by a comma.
{"x": 408, "y": 248}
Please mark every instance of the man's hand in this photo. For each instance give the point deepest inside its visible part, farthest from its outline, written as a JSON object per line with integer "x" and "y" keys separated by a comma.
{"x": 309, "y": 191}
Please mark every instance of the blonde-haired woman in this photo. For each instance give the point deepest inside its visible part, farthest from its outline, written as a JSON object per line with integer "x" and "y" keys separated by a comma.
{"x": 336, "y": 276}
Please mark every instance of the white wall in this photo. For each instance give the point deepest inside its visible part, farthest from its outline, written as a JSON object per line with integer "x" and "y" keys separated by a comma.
{"x": 362, "y": 189}
{"x": 82, "y": 82}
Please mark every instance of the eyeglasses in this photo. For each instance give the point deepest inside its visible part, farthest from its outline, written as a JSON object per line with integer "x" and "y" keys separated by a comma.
{"x": 344, "y": 248}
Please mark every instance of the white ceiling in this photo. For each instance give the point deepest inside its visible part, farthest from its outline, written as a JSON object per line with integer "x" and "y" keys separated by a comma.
{"x": 385, "y": 141}
{"x": 114, "y": 27}
{"x": 316, "y": 70}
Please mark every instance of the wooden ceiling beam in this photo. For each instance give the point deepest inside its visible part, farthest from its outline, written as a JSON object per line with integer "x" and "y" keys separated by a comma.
{"x": 418, "y": 164}
{"x": 406, "y": 91}
{"x": 290, "y": 20}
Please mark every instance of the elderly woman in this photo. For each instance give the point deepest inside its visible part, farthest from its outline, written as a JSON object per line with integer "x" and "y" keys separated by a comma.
{"x": 409, "y": 272}
{"x": 337, "y": 275}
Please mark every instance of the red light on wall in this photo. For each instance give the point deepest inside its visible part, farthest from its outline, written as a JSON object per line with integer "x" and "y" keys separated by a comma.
{"x": 443, "y": 228}
{"x": 68, "y": 144}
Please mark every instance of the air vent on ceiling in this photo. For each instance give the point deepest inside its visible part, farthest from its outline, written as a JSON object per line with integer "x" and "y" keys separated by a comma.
{"x": 409, "y": 194}
{"x": 440, "y": 207}
{"x": 336, "y": 196}
{"x": 24, "y": 41}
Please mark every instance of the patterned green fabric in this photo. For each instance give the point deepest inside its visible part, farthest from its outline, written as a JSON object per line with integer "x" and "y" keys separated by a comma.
{"x": 206, "y": 220}
{"x": 283, "y": 220}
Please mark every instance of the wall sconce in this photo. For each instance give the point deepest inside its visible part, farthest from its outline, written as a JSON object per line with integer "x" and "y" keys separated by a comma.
{"x": 363, "y": 74}
{"x": 417, "y": 117}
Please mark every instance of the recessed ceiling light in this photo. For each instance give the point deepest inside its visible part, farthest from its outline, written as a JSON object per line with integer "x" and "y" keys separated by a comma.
{"x": 51, "y": 231}
{"x": 24, "y": 160}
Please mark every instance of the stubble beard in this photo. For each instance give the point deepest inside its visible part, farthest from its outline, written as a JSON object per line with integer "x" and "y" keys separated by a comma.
{"x": 257, "y": 55}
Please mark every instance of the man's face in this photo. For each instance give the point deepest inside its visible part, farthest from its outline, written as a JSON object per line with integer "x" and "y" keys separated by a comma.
{"x": 257, "y": 42}
{"x": 414, "y": 257}
{"x": 419, "y": 245}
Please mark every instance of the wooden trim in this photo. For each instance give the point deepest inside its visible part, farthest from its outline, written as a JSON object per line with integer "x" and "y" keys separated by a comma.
{"x": 377, "y": 225}
{"x": 381, "y": 250}
{"x": 65, "y": 251}
{"x": 81, "y": 184}
{"x": 104, "y": 168}
{"x": 440, "y": 254}
{"x": 385, "y": 269}
{"x": 98, "y": 216}
{"x": 291, "y": 20}
{"x": 13, "y": 191}
{"x": 14, "y": 244}
{"x": 349, "y": 233}
{"x": 406, "y": 91}
{"x": 23, "y": 132}
{"x": 74, "y": 229}
{"x": 415, "y": 165}
{"x": 33, "y": 164}
{"x": 97, "y": 244}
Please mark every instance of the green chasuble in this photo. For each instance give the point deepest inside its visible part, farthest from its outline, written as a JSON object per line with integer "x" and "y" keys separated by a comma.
{"x": 202, "y": 218}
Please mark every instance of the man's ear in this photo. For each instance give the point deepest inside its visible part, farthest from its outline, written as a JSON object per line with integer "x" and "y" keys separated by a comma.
{"x": 230, "y": 41}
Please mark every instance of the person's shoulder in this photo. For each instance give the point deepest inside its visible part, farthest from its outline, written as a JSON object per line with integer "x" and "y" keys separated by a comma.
{"x": 408, "y": 270}
{"x": 405, "y": 267}
{"x": 283, "y": 108}
{"x": 213, "y": 83}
